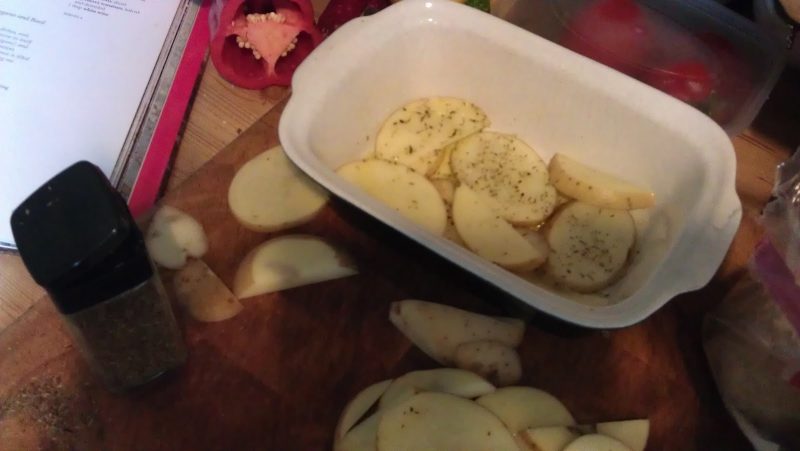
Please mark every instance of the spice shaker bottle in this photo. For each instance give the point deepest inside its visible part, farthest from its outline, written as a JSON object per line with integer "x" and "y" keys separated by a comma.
{"x": 78, "y": 240}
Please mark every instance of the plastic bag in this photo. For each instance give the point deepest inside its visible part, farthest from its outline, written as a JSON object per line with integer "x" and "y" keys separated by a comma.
{"x": 752, "y": 339}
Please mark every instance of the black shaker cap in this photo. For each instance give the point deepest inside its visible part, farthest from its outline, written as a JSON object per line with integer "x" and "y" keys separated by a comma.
{"x": 78, "y": 240}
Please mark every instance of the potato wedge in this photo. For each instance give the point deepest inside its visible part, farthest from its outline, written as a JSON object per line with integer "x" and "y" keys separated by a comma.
{"x": 270, "y": 193}
{"x": 442, "y": 422}
{"x": 399, "y": 187}
{"x": 508, "y": 173}
{"x": 552, "y": 438}
{"x": 363, "y": 437}
{"x": 596, "y": 442}
{"x": 173, "y": 236}
{"x": 289, "y": 261}
{"x": 521, "y": 408}
{"x": 496, "y": 362}
{"x": 439, "y": 329}
{"x": 416, "y": 134}
{"x": 632, "y": 433}
{"x": 490, "y": 236}
{"x": 589, "y": 246}
{"x": 452, "y": 381}
{"x": 203, "y": 294}
{"x": 586, "y": 184}
{"x": 359, "y": 405}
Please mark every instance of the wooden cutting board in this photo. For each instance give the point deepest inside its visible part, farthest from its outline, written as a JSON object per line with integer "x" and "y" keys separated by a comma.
{"x": 276, "y": 376}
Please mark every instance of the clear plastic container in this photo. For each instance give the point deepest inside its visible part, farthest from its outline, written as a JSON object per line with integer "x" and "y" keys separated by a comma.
{"x": 699, "y": 52}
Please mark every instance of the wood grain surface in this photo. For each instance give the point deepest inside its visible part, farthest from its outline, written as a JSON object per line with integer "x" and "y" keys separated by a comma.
{"x": 276, "y": 376}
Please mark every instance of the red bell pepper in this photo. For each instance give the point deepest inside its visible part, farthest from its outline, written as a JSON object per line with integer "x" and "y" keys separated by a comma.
{"x": 260, "y": 43}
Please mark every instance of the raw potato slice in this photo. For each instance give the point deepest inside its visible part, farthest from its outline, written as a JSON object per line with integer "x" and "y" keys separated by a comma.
{"x": 173, "y": 236}
{"x": 363, "y": 437}
{"x": 508, "y": 173}
{"x": 442, "y": 422}
{"x": 399, "y": 187}
{"x": 439, "y": 329}
{"x": 270, "y": 193}
{"x": 359, "y": 405}
{"x": 289, "y": 261}
{"x": 416, "y": 134}
{"x": 552, "y": 438}
{"x": 490, "y": 236}
{"x": 594, "y": 187}
{"x": 596, "y": 442}
{"x": 446, "y": 189}
{"x": 589, "y": 246}
{"x": 496, "y": 362}
{"x": 536, "y": 239}
{"x": 444, "y": 170}
{"x": 633, "y": 433}
{"x": 398, "y": 395}
{"x": 521, "y": 408}
{"x": 205, "y": 296}
{"x": 444, "y": 380}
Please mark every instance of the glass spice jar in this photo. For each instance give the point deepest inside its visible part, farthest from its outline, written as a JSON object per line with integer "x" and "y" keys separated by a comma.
{"x": 78, "y": 240}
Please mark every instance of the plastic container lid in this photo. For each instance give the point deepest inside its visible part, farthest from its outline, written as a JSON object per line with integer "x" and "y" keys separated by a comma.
{"x": 699, "y": 51}
{"x": 78, "y": 240}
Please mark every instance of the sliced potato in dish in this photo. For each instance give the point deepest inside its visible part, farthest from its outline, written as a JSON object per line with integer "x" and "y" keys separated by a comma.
{"x": 521, "y": 408}
{"x": 596, "y": 442}
{"x": 359, "y": 405}
{"x": 551, "y": 438}
{"x": 589, "y": 185}
{"x": 442, "y": 422}
{"x": 496, "y": 362}
{"x": 452, "y": 381}
{"x": 536, "y": 239}
{"x": 173, "y": 236}
{"x": 203, "y": 294}
{"x": 363, "y": 437}
{"x": 444, "y": 170}
{"x": 490, "y": 236}
{"x": 589, "y": 246}
{"x": 439, "y": 329}
{"x": 446, "y": 188}
{"x": 508, "y": 173}
{"x": 289, "y": 261}
{"x": 270, "y": 193}
{"x": 416, "y": 134}
{"x": 402, "y": 189}
{"x": 633, "y": 433}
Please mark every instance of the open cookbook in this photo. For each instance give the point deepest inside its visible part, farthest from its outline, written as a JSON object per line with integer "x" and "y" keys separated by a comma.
{"x": 98, "y": 80}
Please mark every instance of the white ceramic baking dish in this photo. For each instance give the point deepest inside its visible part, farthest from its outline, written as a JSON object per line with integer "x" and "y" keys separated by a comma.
{"x": 554, "y": 99}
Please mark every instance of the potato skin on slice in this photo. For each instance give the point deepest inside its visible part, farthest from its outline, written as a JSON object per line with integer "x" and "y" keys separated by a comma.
{"x": 498, "y": 363}
{"x": 203, "y": 293}
{"x": 439, "y": 329}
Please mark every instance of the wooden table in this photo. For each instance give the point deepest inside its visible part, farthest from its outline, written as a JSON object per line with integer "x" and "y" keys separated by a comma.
{"x": 220, "y": 112}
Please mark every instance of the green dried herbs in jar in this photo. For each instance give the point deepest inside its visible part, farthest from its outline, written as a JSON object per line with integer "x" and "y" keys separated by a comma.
{"x": 78, "y": 240}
